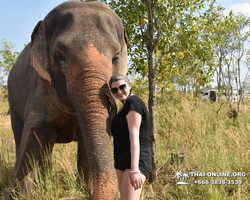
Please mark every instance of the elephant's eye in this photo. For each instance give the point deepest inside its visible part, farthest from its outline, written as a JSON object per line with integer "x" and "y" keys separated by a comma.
{"x": 115, "y": 58}
{"x": 60, "y": 59}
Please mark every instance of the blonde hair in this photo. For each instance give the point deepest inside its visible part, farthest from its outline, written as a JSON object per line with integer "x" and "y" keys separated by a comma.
{"x": 118, "y": 77}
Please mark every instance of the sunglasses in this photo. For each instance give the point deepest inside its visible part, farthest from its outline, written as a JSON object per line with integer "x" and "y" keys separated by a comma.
{"x": 121, "y": 87}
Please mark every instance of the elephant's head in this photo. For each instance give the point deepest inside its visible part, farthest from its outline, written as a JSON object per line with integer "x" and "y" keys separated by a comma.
{"x": 76, "y": 48}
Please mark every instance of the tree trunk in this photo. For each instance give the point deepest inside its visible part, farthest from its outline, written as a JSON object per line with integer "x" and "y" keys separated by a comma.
{"x": 151, "y": 101}
{"x": 219, "y": 79}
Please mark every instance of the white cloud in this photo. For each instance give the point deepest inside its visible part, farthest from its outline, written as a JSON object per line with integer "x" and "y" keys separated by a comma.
{"x": 236, "y": 8}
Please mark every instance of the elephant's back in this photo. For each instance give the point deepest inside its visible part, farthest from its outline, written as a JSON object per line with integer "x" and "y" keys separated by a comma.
{"x": 18, "y": 81}
{"x": 19, "y": 72}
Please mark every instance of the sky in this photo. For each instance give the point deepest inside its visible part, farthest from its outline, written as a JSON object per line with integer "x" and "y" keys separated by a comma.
{"x": 19, "y": 17}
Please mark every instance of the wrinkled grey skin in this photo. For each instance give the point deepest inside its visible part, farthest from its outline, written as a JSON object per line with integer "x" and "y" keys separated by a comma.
{"x": 57, "y": 91}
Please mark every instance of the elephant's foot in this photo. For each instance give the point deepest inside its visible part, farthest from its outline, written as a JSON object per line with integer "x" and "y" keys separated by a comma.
{"x": 21, "y": 188}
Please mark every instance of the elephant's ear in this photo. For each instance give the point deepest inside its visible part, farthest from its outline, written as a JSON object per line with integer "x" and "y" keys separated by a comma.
{"x": 38, "y": 54}
{"x": 125, "y": 36}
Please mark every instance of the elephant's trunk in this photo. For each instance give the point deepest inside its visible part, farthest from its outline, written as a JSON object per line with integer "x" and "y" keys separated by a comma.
{"x": 87, "y": 89}
{"x": 92, "y": 117}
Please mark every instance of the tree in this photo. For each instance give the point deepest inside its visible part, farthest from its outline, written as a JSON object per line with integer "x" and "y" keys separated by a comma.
{"x": 230, "y": 38}
{"x": 240, "y": 39}
{"x": 7, "y": 60}
{"x": 222, "y": 39}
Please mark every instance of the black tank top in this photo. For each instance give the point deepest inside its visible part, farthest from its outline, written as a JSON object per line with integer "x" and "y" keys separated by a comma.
{"x": 119, "y": 126}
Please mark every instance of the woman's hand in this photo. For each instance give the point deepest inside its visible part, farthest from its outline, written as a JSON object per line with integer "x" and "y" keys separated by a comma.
{"x": 111, "y": 99}
{"x": 137, "y": 179}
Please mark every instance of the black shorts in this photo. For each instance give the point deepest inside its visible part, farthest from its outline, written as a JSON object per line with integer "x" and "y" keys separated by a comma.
{"x": 123, "y": 161}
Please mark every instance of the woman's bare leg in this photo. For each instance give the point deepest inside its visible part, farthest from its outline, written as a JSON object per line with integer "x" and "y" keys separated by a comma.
{"x": 119, "y": 175}
{"x": 127, "y": 191}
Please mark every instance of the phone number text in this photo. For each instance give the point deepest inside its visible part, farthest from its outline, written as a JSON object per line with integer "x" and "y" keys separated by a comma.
{"x": 218, "y": 182}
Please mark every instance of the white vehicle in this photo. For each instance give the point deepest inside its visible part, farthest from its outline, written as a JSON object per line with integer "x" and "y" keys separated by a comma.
{"x": 209, "y": 95}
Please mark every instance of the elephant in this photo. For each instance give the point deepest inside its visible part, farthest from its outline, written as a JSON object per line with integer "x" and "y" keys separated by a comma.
{"x": 57, "y": 91}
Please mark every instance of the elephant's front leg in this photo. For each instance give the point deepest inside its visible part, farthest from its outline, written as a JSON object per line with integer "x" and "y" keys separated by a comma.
{"x": 83, "y": 166}
{"x": 34, "y": 149}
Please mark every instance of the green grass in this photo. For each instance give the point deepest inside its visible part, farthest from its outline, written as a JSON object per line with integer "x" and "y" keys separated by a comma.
{"x": 211, "y": 142}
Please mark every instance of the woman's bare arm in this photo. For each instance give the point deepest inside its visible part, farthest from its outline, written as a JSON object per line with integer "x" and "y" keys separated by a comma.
{"x": 134, "y": 122}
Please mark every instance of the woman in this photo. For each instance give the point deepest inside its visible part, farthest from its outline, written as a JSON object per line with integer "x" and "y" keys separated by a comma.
{"x": 130, "y": 129}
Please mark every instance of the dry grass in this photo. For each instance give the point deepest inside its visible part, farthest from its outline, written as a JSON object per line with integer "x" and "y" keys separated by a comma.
{"x": 209, "y": 143}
